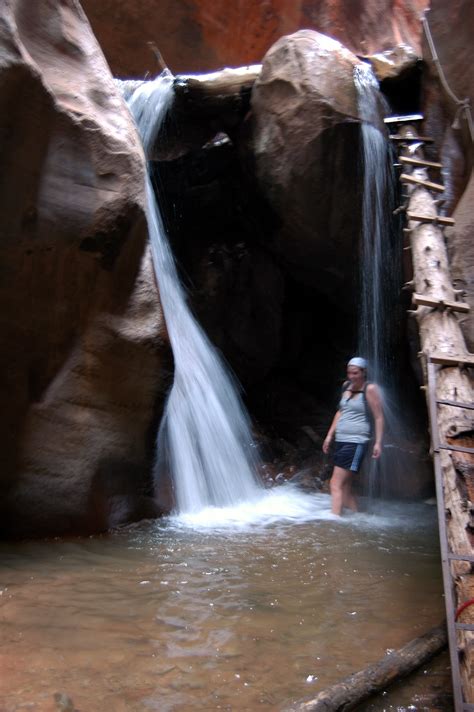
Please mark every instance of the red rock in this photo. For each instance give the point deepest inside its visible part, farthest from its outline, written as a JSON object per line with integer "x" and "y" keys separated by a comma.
{"x": 451, "y": 26}
{"x": 202, "y": 36}
{"x": 79, "y": 310}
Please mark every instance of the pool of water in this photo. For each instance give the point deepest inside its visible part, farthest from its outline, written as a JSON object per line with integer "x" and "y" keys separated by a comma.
{"x": 245, "y": 609}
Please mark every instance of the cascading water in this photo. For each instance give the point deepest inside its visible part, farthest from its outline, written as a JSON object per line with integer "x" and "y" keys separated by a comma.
{"x": 380, "y": 270}
{"x": 204, "y": 440}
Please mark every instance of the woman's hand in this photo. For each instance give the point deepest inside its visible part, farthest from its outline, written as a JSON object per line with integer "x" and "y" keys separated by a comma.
{"x": 328, "y": 440}
{"x": 377, "y": 451}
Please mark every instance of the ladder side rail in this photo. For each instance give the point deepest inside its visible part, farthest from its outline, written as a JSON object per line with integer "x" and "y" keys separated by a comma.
{"x": 443, "y": 537}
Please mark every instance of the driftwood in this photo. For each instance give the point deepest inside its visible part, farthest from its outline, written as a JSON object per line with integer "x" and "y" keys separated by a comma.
{"x": 441, "y": 335}
{"x": 213, "y": 91}
{"x": 222, "y": 97}
{"x": 351, "y": 691}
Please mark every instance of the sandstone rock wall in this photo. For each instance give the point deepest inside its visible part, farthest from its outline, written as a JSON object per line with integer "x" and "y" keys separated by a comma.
{"x": 451, "y": 29}
{"x": 197, "y": 36}
{"x": 80, "y": 316}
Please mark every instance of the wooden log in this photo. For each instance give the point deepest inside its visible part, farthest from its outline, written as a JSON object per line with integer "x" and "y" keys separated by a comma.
{"x": 225, "y": 82}
{"x": 351, "y": 691}
{"x": 212, "y": 89}
{"x": 440, "y": 334}
{"x": 407, "y": 178}
{"x": 227, "y": 90}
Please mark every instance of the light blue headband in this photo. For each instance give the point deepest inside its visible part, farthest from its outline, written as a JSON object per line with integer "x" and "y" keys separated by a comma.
{"x": 358, "y": 362}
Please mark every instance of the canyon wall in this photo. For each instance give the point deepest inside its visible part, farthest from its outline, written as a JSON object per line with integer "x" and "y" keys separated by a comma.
{"x": 82, "y": 333}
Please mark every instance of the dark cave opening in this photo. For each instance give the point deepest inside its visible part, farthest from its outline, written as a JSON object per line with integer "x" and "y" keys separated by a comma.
{"x": 284, "y": 340}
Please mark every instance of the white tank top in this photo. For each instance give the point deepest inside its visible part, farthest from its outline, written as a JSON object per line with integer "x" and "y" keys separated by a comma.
{"x": 353, "y": 425}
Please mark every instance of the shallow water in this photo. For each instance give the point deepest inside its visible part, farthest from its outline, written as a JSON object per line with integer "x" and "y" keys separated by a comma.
{"x": 247, "y": 612}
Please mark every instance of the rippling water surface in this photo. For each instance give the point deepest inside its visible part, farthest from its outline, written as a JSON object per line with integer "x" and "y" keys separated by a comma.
{"x": 242, "y": 609}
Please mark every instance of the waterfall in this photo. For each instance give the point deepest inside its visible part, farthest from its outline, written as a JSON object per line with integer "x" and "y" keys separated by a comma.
{"x": 204, "y": 440}
{"x": 380, "y": 271}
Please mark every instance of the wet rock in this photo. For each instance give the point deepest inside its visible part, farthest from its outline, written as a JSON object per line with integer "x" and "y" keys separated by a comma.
{"x": 82, "y": 332}
{"x": 307, "y": 480}
{"x": 393, "y": 62}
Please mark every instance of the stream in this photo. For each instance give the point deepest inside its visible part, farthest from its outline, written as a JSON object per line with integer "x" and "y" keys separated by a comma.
{"x": 223, "y": 610}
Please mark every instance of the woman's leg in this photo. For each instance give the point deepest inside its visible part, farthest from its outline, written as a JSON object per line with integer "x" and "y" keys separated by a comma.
{"x": 339, "y": 480}
{"x": 348, "y": 498}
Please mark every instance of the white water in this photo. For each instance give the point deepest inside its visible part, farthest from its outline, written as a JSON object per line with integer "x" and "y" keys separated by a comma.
{"x": 380, "y": 277}
{"x": 289, "y": 505}
{"x": 204, "y": 441}
{"x": 379, "y": 262}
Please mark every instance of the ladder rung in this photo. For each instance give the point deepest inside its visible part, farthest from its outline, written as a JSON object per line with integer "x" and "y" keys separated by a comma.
{"x": 435, "y": 219}
{"x": 457, "y": 448}
{"x": 411, "y": 139}
{"x": 468, "y": 707}
{"x": 445, "y": 360}
{"x": 464, "y": 626}
{"x": 444, "y": 304}
{"x": 419, "y": 162}
{"x": 406, "y": 178}
{"x": 456, "y": 404}
{"x": 461, "y": 557}
{"x": 403, "y": 119}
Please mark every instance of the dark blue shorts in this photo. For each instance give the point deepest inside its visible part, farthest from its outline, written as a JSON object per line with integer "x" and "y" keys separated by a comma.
{"x": 349, "y": 456}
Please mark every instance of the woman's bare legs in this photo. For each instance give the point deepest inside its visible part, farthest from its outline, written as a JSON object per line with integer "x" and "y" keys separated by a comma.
{"x": 341, "y": 491}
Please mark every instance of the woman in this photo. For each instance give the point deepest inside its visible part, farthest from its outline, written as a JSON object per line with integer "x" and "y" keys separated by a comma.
{"x": 352, "y": 430}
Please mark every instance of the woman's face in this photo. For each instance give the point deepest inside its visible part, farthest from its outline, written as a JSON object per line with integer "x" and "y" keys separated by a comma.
{"x": 355, "y": 374}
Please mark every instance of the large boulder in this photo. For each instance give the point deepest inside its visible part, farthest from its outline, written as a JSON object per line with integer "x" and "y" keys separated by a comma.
{"x": 80, "y": 314}
{"x": 306, "y": 129}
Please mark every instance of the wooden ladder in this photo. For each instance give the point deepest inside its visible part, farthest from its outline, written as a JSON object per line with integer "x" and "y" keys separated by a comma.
{"x": 447, "y": 556}
{"x": 432, "y": 363}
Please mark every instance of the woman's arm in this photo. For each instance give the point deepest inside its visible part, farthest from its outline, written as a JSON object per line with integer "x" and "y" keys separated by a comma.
{"x": 331, "y": 431}
{"x": 375, "y": 404}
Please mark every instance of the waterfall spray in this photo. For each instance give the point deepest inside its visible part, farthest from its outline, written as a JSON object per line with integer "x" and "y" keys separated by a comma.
{"x": 380, "y": 268}
{"x": 204, "y": 441}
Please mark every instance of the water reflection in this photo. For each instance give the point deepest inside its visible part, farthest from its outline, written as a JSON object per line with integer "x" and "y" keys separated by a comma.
{"x": 174, "y": 615}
